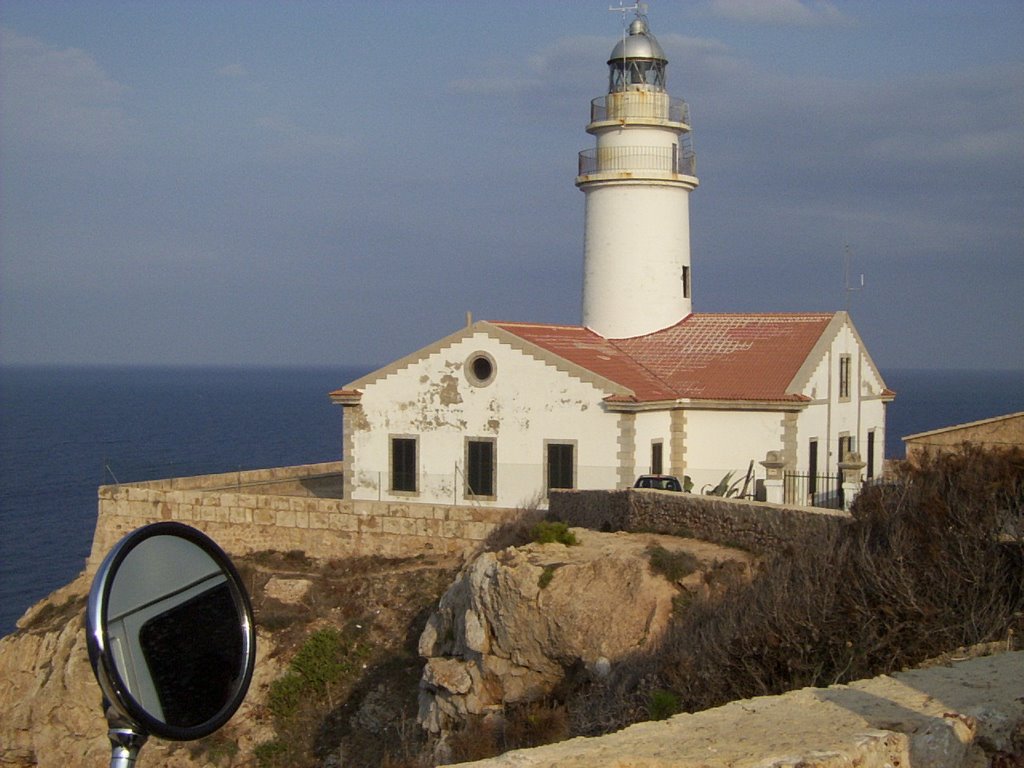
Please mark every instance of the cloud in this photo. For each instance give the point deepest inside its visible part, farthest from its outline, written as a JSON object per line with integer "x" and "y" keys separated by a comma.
{"x": 785, "y": 12}
{"x": 58, "y": 99}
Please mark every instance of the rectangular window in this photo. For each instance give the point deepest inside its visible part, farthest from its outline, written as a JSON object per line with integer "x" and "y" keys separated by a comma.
{"x": 686, "y": 282}
{"x": 480, "y": 467}
{"x": 561, "y": 465}
{"x": 871, "y": 455}
{"x": 656, "y": 465}
{"x": 403, "y": 464}
{"x": 844, "y": 377}
{"x": 812, "y": 468}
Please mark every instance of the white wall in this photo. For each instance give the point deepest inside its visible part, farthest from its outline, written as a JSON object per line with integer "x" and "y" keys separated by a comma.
{"x": 829, "y": 417}
{"x": 527, "y": 402}
{"x": 651, "y": 426}
{"x": 718, "y": 442}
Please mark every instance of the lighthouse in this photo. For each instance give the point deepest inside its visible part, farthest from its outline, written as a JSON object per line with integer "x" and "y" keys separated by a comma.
{"x": 637, "y": 182}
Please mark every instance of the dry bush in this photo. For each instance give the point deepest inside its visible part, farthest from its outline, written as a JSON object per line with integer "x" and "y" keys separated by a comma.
{"x": 517, "y": 531}
{"x": 519, "y": 727}
{"x": 928, "y": 564}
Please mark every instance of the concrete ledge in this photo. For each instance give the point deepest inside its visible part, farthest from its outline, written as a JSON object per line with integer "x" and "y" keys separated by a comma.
{"x": 957, "y": 716}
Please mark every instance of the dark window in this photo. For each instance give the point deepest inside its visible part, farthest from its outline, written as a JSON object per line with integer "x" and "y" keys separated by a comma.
{"x": 844, "y": 377}
{"x": 480, "y": 468}
{"x": 560, "y": 465}
{"x": 403, "y": 464}
{"x": 812, "y": 468}
{"x": 482, "y": 368}
{"x": 871, "y": 454}
{"x": 686, "y": 282}
{"x": 656, "y": 466}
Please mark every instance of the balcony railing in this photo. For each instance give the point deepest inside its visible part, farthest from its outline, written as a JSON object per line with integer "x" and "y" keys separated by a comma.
{"x": 653, "y": 107}
{"x": 638, "y": 159}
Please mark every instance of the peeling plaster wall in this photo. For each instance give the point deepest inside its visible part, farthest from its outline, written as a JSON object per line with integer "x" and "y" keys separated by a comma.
{"x": 526, "y": 403}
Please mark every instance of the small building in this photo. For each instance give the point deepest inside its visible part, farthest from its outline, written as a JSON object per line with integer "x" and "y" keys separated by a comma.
{"x": 499, "y": 413}
{"x": 996, "y": 432}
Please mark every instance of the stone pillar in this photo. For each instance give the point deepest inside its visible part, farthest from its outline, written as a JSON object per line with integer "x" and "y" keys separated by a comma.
{"x": 851, "y": 468}
{"x": 773, "y": 483}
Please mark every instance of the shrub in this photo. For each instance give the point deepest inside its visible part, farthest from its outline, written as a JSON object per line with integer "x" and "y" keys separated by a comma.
{"x": 928, "y": 564}
{"x": 546, "y": 576}
{"x": 322, "y": 659}
{"x": 286, "y": 694}
{"x": 662, "y": 705}
{"x": 548, "y": 532}
{"x": 519, "y": 727}
{"x": 517, "y": 531}
{"x": 673, "y": 565}
{"x": 323, "y": 665}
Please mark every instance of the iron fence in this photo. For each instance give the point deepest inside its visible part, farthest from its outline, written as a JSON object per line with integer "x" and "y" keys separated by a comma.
{"x": 806, "y": 490}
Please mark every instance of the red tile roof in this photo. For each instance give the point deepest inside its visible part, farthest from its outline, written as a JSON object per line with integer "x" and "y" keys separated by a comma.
{"x": 704, "y": 356}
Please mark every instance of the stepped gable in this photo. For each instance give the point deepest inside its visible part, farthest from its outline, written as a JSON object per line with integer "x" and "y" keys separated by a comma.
{"x": 704, "y": 356}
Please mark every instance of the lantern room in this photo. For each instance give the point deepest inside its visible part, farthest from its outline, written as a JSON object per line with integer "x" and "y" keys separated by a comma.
{"x": 637, "y": 63}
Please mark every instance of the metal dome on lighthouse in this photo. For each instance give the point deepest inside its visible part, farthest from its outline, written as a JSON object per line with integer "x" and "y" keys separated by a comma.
{"x": 637, "y": 181}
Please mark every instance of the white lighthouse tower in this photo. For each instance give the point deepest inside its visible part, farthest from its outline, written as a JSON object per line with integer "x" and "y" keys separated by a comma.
{"x": 637, "y": 182}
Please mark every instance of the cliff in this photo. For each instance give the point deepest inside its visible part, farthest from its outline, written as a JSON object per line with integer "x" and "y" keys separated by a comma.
{"x": 958, "y": 714}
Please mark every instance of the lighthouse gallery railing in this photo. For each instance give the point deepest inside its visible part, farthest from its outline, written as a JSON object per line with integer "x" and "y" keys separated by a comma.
{"x": 635, "y": 106}
{"x": 638, "y": 159}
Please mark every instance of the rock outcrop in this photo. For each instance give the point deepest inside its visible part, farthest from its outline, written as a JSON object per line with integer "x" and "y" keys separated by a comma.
{"x": 515, "y": 621}
{"x": 50, "y": 694}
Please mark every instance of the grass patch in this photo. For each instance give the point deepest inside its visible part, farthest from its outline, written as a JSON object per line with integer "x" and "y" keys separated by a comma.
{"x": 548, "y": 532}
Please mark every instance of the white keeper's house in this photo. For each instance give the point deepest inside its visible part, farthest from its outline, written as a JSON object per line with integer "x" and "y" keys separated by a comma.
{"x": 498, "y": 413}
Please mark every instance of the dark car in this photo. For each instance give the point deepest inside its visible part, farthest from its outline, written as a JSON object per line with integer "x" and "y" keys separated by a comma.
{"x": 658, "y": 482}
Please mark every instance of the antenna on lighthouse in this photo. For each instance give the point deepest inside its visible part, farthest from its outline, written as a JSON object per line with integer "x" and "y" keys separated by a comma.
{"x": 639, "y": 9}
{"x": 847, "y": 288}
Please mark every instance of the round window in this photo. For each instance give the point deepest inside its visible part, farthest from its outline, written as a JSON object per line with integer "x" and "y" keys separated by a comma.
{"x": 480, "y": 369}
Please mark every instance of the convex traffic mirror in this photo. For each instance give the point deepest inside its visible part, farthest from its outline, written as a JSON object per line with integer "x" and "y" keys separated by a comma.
{"x": 170, "y": 634}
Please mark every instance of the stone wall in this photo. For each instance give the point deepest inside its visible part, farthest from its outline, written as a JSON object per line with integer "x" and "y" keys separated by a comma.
{"x": 300, "y": 508}
{"x": 756, "y": 526}
{"x": 291, "y": 508}
{"x": 997, "y": 432}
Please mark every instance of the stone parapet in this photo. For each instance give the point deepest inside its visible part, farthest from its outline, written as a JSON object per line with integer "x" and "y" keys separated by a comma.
{"x": 756, "y": 526}
{"x": 291, "y": 508}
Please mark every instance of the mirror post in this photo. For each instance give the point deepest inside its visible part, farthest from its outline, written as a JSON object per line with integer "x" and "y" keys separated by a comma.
{"x": 125, "y": 740}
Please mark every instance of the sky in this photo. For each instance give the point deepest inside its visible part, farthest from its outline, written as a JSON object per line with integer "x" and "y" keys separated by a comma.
{"x": 338, "y": 183}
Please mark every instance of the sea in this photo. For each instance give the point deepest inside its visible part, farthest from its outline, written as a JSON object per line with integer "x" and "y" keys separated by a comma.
{"x": 66, "y": 431}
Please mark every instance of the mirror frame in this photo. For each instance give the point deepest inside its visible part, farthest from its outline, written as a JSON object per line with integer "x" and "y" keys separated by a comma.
{"x": 115, "y": 689}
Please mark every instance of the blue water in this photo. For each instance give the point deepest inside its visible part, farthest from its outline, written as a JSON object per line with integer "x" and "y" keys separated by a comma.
{"x": 65, "y": 431}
